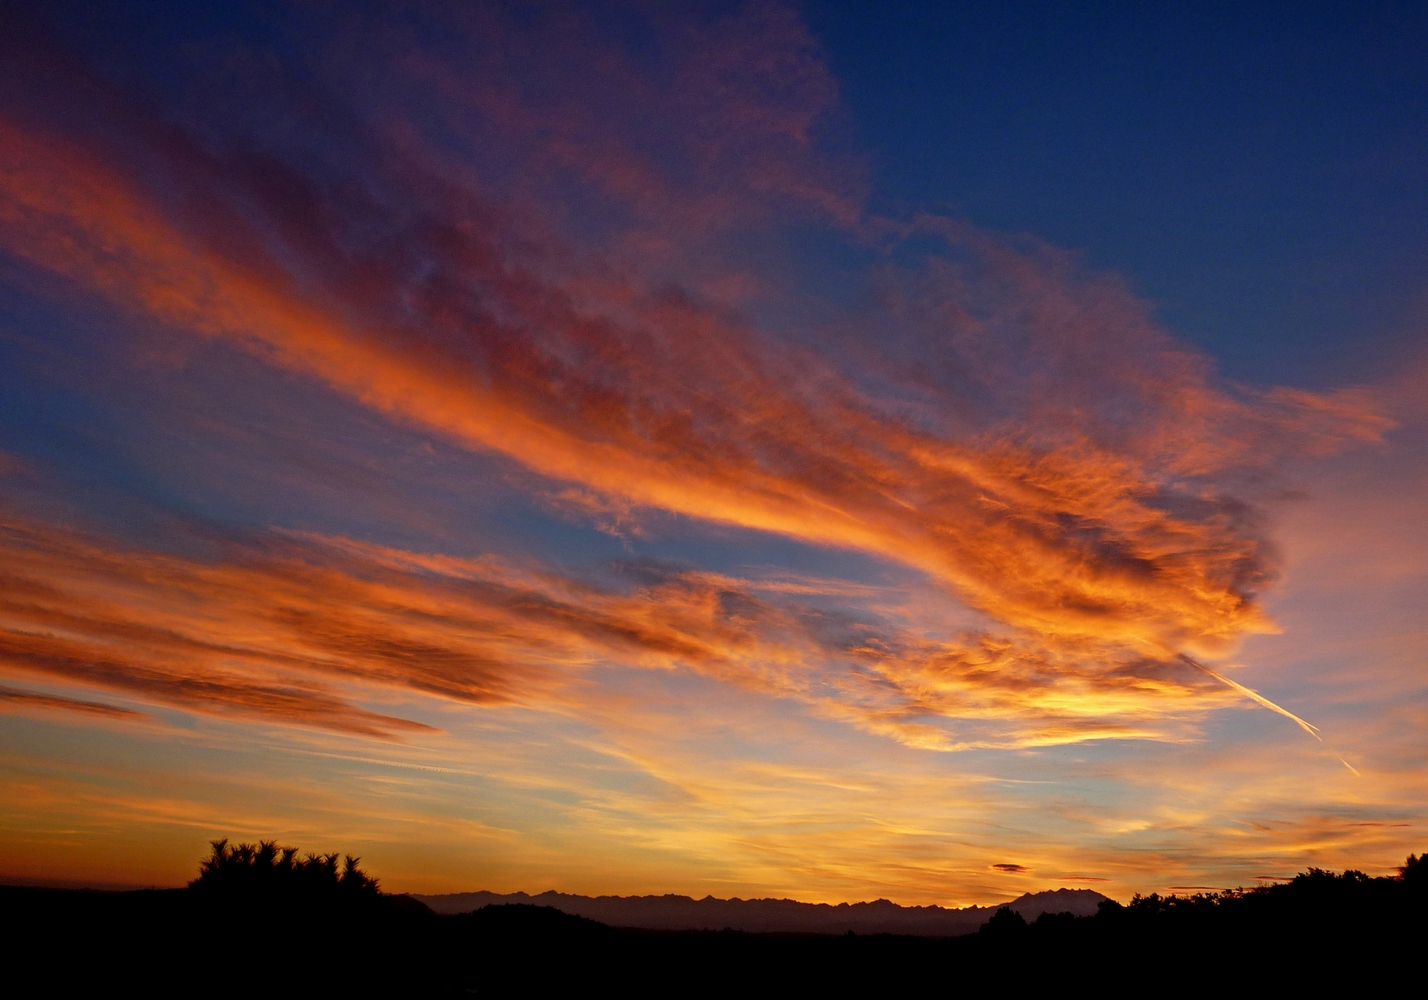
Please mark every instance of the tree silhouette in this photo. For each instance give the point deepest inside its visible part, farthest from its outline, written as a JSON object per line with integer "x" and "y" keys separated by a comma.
{"x": 1005, "y": 923}
{"x": 1413, "y": 873}
{"x": 265, "y": 869}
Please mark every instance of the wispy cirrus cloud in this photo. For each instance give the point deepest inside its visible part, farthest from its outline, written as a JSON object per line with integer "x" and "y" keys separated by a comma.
{"x": 273, "y": 628}
{"x": 489, "y": 252}
{"x": 133, "y": 622}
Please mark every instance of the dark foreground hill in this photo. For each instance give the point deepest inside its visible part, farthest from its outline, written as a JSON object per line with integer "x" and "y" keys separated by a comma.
{"x": 776, "y": 916}
{"x": 311, "y": 929}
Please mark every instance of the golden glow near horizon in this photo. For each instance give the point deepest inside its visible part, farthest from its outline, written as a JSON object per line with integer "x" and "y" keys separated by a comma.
{"x": 1059, "y": 570}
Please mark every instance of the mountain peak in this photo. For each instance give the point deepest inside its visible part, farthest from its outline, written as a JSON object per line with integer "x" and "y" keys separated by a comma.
{"x": 1081, "y": 902}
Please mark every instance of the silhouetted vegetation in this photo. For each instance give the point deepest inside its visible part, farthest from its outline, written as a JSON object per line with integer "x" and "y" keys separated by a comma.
{"x": 265, "y": 869}
{"x": 265, "y": 920}
{"x": 1005, "y": 923}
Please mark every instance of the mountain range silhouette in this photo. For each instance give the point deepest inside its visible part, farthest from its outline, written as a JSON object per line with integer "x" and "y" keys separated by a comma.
{"x": 766, "y": 916}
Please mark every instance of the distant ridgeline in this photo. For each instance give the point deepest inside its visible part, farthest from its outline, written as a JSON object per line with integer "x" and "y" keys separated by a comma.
{"x": 786, "y": 916}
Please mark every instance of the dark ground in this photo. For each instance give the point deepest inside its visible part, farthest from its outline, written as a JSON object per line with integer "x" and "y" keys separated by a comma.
{"x": 1320, "y": 932}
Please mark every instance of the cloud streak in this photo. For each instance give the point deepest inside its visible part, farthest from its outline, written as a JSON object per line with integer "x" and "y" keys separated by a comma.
{"x": 272, "y": 627}
{"x": 21, "y": 700}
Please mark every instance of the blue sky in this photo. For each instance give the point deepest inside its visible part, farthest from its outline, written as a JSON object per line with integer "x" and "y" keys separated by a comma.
{"x": 1256, "y": 171}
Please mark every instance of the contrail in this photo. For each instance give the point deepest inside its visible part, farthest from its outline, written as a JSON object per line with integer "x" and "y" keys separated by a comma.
{"x": 1312, "y": 730}
{"x": 1260, "y": 699}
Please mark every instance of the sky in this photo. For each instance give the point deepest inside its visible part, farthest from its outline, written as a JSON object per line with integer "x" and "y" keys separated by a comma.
{"x": 928, "y": 452}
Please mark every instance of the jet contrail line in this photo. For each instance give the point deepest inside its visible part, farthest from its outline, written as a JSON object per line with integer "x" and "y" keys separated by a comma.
{"x": 1260, "y": 699}
{"x": 1253, "y": 695}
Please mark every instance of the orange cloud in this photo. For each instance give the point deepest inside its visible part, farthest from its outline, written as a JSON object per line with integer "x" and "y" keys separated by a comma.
{"x": 1027, "y": 439}
{"x": 73, "y": 612}
{"x": 268, "y": 631}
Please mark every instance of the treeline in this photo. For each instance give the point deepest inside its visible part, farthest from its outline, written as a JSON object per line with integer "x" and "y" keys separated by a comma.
{"x": 266, "y": 920}
{"x": 1320, "y": 923}
{"x": 1343, "y": 902}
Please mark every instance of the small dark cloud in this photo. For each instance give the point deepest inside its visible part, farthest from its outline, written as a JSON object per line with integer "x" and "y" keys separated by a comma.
{"x": 1011, "y": 869}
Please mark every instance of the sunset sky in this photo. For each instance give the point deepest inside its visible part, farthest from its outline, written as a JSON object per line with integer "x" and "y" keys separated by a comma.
{"x": 826, "y": 451}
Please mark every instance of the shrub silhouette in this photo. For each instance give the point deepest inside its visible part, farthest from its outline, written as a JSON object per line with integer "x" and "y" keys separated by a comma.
{"x": 265, "y": 869}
